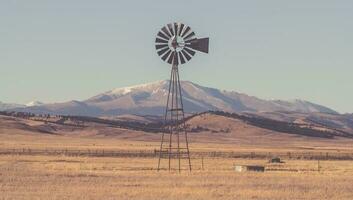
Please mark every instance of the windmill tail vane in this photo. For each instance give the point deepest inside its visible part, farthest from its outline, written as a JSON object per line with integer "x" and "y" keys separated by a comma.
{"x": 176, "y": 44}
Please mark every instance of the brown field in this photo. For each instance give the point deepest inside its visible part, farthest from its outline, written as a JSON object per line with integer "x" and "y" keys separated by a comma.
{"x": 25, "y": 175}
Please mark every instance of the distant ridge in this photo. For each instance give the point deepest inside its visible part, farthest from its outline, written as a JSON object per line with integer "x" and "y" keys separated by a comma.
{"x": 150, "y": 99}
{"x": 9, "y": 106}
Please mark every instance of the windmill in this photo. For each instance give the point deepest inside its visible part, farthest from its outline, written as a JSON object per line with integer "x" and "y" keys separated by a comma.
{"x": 176, "y": 44}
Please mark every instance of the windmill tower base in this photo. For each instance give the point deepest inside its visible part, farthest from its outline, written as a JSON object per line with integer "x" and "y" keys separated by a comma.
{"x": 174, "y": 151}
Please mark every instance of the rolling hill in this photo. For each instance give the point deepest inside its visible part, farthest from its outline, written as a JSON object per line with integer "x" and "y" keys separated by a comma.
{"x": 209, "y": 127}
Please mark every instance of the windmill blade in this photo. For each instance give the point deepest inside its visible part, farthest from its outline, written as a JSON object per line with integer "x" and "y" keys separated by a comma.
{"x": 159, "y": 46}
{"x": 186, "y": 31}
{"x": 166, "y": 55}
{"x": 166, "y": 32}
{"x": 181, "y": 58}
{"x": 190, "y": 41}
{"x": 193, "y": 44}
{"x": 188, "y": 37}
{"x": 190, "y": 51}
{"x": 176, "y": 28}
{"x": 199, "y": 44}
{"x": 171, "y": 58}
{"x": 159, "y": 40}
{"x": 162, "y": 51}
{"x": 181, "y": 29}
{"x": 160, "y": 34}
{"x": 186, "y": 55}
{"x": 170, "y": 28}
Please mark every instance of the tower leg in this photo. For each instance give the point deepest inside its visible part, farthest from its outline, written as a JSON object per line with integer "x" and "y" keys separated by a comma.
{"x": 184, "y": 125}
{"x": 164, "y": 124}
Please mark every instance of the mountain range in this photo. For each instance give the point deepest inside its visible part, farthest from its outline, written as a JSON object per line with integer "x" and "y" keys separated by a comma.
{"x": 9, "y": 106}
{"x": 150, "y": 99}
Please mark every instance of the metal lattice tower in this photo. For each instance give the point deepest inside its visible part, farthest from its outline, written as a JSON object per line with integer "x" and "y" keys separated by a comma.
{"x": 176, "y": 44}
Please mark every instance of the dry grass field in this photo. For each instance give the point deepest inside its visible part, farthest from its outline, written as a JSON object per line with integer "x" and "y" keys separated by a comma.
{"x": 60, "y": 176}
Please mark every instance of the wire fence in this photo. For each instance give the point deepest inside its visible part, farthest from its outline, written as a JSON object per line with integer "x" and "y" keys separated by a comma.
{"x": 155, "y": 153}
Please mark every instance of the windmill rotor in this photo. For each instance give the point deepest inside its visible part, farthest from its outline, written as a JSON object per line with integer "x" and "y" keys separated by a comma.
{"x": 176, "y": 43}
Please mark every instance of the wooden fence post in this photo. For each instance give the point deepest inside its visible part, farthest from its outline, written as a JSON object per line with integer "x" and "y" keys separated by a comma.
{"x": 202, "y": 163}
{"x": 318, "y": 165}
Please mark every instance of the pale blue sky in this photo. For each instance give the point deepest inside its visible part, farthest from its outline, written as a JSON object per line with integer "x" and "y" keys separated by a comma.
{"x": 56, "y": 51}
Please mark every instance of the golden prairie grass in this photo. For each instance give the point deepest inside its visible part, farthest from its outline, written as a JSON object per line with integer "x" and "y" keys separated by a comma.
{"x": 61, "y": 177}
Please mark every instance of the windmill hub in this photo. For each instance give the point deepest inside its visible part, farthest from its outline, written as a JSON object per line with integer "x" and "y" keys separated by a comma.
{"x": 177, "y": 43}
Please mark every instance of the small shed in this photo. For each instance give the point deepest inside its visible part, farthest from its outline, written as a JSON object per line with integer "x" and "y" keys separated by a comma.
{"x": 275, "y": 160}
{"x": 245, "y": 168}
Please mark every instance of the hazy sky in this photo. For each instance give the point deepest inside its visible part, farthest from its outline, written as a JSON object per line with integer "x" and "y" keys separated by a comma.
{"x": 56, "y": 51}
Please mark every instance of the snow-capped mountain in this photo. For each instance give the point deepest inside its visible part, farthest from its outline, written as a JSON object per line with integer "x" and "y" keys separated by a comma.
{"x": 150, "y": 99}
{"x": 34, "y": 103}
